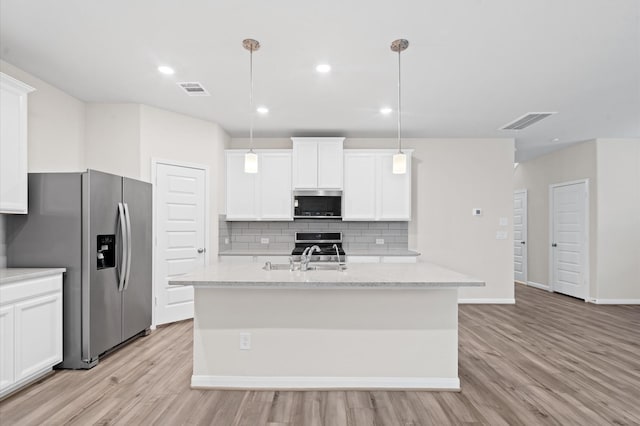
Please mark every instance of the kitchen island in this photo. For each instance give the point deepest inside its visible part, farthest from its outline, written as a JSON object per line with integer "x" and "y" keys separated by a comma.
{"x": 373, "y": 326}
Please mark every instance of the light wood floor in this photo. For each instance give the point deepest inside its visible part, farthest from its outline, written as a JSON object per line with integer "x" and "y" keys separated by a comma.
{"x": 549, "y": 359}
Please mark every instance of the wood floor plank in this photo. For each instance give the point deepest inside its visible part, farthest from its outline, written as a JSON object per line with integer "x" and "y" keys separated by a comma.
{"x": 548, "y": 360}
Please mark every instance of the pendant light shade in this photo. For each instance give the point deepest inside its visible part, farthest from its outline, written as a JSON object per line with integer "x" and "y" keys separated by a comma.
{"x": 400, "y": 158}
{"x": 400, "y": 163}
{"x": 251, "y": 158}
{"x": 251, "y": 162}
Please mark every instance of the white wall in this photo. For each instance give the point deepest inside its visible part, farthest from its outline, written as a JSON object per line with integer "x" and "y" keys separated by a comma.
{"x": 618, "y": 263}
{"x": 113, "y": 138}
{"x": 170, "y": 136}
{"x": 55, "y": 126}
{"x": 613, "y": 169}
{"x": 568, "y": 164}
{"x": 124, "y": 138}
{"x": 450, "y": 178}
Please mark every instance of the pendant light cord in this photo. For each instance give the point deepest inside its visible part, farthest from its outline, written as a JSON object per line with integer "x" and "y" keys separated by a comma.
{"x": 399, "y": 107}
{"x": 251, "y": 100}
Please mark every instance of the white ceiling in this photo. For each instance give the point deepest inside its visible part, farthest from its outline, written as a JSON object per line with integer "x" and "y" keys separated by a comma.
{"x": 471, "y": 67}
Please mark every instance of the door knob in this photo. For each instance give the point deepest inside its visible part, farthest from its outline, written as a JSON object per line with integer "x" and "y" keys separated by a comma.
{"x": 522, "y": 242}
{"x": 201, "y": 250}
{"x": 554, "y": 245}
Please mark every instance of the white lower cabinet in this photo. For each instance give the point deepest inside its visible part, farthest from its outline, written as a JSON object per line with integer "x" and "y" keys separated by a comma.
{"x": 7, "y": 347}
{"x": 350, "y": 259}
{"x": 255, "y": 259}
{"x": 371, "y": 191}
{"x": 30, "y": 330}
{"x": 382, "y": 259}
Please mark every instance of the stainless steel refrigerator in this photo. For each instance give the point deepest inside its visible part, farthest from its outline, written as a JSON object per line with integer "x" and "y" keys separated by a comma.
{"x": 98, "y": 226}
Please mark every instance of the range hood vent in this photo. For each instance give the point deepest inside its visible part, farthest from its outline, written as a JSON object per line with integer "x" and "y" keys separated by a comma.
{"x": 526, "y": 120}
{"x": 193, "y": 88}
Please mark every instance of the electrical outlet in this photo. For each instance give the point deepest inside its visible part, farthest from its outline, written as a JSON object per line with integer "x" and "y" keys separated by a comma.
{"x": 245, "y": 341}
{"x": 379, "y": 240}
{"x": 501, "y": 235}
{"x": 264, "y": 241}
{"x": 476, "y": 212}
{"x": 226, "y": 240}
{"x": 504, "y": 221}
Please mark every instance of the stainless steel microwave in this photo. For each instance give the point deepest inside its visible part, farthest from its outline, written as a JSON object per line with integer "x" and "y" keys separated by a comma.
{"x": 318, "y": 204}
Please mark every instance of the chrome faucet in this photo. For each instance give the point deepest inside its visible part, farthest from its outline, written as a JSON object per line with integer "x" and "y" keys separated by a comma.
{"x": 306, "y": 257}
{"x": 335, "y": 246}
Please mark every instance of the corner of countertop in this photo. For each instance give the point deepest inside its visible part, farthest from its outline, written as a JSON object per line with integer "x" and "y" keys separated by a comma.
{"x": 8, "y": 275}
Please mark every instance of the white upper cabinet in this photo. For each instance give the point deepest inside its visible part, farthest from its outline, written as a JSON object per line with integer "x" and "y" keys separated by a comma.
{"x": 241, "y": 189}
{"x": 305, "y": 164}
{"x": 371, "y": 190}
{"x": 13, "y": 145}
{"x": 359, "y": 195}
{"x": 265, "y": 195}
{"x": 274, "y": 174}
{"x": 394, "y": 190}
{"x": 317, "y": 163}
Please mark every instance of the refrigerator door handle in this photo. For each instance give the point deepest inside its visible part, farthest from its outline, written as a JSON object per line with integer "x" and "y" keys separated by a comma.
{"x": 122, "y": 230}
{"x": 129, "y": 249}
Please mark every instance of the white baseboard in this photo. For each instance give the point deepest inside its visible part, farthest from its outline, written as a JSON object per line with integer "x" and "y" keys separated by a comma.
{"x": 301, "y": 382}
{"x": 538, "y": 285}
{"x": 616, "y": 301}
{"x": 487, "y": 301}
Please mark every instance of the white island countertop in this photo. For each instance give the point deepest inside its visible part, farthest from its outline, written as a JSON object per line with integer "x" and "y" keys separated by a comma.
{"x": 415, "y": 276}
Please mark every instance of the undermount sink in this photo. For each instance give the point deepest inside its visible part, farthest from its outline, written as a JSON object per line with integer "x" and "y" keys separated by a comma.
{"x": 327, "y": 267}
{"x": 320, "y": 266}
{"x": 268, "y": 266}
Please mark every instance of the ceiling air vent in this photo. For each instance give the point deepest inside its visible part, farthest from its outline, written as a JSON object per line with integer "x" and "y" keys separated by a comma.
{"x": 526, "y": 120}
{"x": 193, "y": 88}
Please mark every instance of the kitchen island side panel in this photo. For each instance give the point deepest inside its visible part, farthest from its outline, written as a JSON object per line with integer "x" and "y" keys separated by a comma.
{"x": 326, "y": 338}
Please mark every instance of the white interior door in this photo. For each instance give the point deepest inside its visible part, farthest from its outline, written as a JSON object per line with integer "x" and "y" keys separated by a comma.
{"x": 180, "y": 211}
{"x": 569, "y": 248}
{"x": 520, "y": 236}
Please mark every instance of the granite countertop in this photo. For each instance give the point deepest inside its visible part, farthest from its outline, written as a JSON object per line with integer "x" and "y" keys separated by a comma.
{"x": 9, "y": 275}
{"x": 371, "y": 252}
{"x": 414, "y": 276}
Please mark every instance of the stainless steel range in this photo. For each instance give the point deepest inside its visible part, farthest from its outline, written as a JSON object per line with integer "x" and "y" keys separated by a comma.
{"x": 319, "y": 247}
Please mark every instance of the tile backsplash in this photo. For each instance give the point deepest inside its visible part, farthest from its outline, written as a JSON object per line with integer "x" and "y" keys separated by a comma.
{"x": 280, "y": 235}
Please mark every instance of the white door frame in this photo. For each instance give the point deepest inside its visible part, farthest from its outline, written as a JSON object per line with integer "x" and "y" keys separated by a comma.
{"x": 587, "y": 280}
{"x": 525, "y": 258}
{"x": 154, "y": 180}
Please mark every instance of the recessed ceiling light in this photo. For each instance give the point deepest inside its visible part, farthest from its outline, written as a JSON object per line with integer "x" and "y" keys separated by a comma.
{"x": 166, "y": 70}
{"x": 386, "y": 111}
{"x": 555, "y": 139}
{"x": 262, "y": 109}
{"x": 324, "y": 68}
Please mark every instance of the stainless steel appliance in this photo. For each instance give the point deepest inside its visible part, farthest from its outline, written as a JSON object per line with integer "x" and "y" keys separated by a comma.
{"x": 98, "y": 226}
{"x": 318, "y": 204}
{"x": 329, "y": 247}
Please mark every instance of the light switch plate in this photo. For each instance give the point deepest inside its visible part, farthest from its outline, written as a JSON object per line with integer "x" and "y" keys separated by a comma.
{"x": 504, "y": 221}
{"x": 379, "y": 240}
{"x": 226, "y": 240}
{"x": 264, "y": 241}
{"x": 502, "y": 235}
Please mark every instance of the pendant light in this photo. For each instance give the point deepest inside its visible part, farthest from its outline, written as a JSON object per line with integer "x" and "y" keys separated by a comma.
{"x": 251, "y": 158}
{"x": 400, "y": 158}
